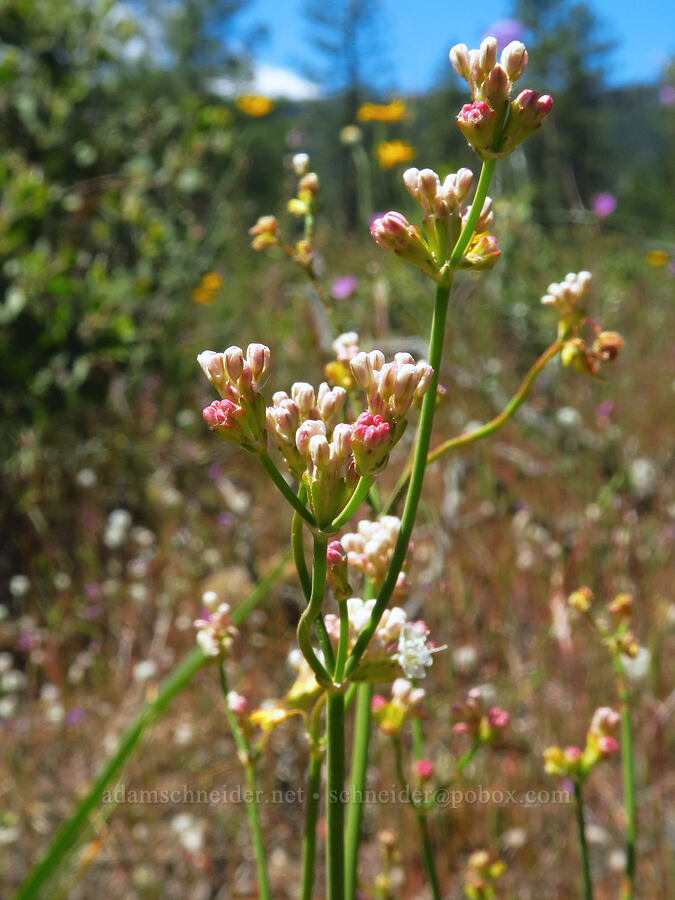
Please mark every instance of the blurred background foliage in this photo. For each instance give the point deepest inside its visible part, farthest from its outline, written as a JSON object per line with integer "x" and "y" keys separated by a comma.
{"x": 128, "y": 180}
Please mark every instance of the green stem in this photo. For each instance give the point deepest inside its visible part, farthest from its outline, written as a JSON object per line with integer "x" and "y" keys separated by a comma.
{"x": 428, "y": 855}
{"x": 252, "y": 806}
{"x": 583, "y": 846}
{"x": 421, "y": 813}
{"x": 306, "y": 582}
{"x": 67, "y": 835}
{"x": 628, "y": 767}
{"x": 285, "y": 488}
{"x": 298, "y": 548}
{"x": 416, "y": 479}
{"x": 312, "y": 804}
{"x": 311, "y": 817}
{"x": 364, "y": 694}
{"x": 343, "y": 642}
{"x": 312, "y": 611}
{"x": 355, "y": 501}
{"x": 335, "y": 776}
{"x": 470, "y": 437}
{"x": 476, "y": 209}
{"x": 418, "y": 738}
{"x": 324, "y": 640}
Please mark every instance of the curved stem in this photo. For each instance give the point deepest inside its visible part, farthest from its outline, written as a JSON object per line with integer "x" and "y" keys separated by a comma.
{"x": 355, "y": 501}
{"x": 470, "y": 437}
{"x": 416, "y": 479}
{"x": 312, "y": 611}
{"x": 476, "y": 209}
{"x": 360, "y": 746}
{"x": 583, "y": 846}
{"x": 335, "y": 775}
{"x": 298, "y": 548}
{"x": 285, "y": 488}
{"x": 628, "y": 767}
{"x": 324, "y": 640}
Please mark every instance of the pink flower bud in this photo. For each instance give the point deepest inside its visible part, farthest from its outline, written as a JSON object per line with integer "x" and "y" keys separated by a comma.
{"x": 303, "y": 394}
{"x": 430, "y": 185}
{"x": 306, "y": 432}
{"x": 370, "y": 430}
{"x": 608, "y": 746}
{"x": 528, "y": 111}
{"x": 483, "y": 253}
{"x": 222, "y": 414}
{"x": 514, "y": 59}
{"x": 237, "y": 703}
{"x": 370, "y": 442}
{"x": 460, "y": 60}
{"x": 488, "y": 54}
{"x": 377, "y": 703}
{"x": 234, "y": 363}
{"x": 336, "y": 555}
{"x": 461, "y": 728}
{"x": 605, "y": 720}
{"x": 424, "y": 769}
{"x": 572, "y": 754}
{"x": 477, "y": 121}
{"x": 319, "y": 451}
{"x": 342, "y": 434}
{"x": 425, "y": 374}
{"x": 212, "y": 365}
{"x": 391, "y": 232}
{"x": 330, "y": 402}
{"x": 497, "y": 717}
{"x": 497, "y": 87}
{"x": 258, "y": 358}
{"x": 464, "y": 179}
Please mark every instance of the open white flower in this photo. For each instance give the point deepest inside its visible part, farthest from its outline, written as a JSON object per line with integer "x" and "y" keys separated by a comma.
{"x": 413, "y": 654}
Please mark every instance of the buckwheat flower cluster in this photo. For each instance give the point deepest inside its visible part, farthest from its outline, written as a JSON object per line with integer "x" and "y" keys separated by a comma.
{"x": 239, "y": 416}
{"x": 397, "y": 643}
{"x": 215, "y": 632}
{"x": 572, "y": 762}
{"x": 287, "y": 414}
{"x": 329, "y": 477}
{"x": 390, "y": 389}
{"x": 568, "y": 297}
{"x": 370, "y": 548}
{"x": 482, "y": 725}
{"x": 493, "y": 124}
{"x": 444, "y": 215}
{"x": 406, "y": 701}
{"x": 482, "y": 872}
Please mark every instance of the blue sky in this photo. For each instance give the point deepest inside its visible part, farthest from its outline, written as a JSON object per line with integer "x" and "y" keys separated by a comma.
{"x": 417, "y": 36}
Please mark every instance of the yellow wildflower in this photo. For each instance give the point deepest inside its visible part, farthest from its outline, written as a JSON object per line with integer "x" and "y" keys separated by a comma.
{"x": 267, "y": 719}
{"x": 657, "y": 258}
{"x": 382, "y": 112}
{"x": 392, "y": 153}
{"x": 205, "y": 292}
{"x": 254, "y": 106}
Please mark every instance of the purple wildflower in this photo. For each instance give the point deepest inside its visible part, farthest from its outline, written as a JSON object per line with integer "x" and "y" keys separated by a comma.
{"x": 344, "y": 286}
{"x": 603, "y": 204}
{"x": 506, "y": 30}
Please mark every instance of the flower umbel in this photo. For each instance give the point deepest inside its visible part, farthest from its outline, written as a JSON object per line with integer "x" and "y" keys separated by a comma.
{"x": 493, "y": 124}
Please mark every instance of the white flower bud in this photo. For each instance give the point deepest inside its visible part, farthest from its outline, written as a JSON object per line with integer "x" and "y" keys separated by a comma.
{"x": 300, "y": 164}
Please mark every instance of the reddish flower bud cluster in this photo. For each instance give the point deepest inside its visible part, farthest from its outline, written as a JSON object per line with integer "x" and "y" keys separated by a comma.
{"x": 493, "y": 124}
{"x": 240, "y": 415}
{"x": 483, "y": 726}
